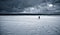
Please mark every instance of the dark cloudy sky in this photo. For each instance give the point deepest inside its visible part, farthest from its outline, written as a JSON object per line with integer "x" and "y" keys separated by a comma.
{"x": 30, "y": 6}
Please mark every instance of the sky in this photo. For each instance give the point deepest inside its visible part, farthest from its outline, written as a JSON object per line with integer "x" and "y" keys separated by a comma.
{"x": 30, "y": 6}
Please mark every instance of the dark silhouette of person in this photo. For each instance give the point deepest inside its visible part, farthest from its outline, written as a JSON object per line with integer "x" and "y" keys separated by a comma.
{"x": 39, "y": 17}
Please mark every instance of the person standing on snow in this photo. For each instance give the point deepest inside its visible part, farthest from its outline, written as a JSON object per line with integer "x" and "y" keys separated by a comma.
{"x": 39, "y": 17}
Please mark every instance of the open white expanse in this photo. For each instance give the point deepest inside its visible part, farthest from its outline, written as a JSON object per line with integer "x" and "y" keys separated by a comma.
{"x": 29, "y": 25}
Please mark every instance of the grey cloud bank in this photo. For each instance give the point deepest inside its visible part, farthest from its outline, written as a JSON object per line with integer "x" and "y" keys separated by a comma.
{"x": 10, "y": 6}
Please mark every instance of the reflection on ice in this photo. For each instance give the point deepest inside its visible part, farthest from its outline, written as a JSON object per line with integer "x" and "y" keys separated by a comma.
{"x": 30, "y": 25}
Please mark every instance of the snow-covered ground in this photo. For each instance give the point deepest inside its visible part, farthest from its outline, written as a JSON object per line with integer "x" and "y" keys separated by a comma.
{"x": 29, "y": 25}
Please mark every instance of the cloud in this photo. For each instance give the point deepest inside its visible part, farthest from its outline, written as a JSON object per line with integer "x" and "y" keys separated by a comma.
{"x": 43, "y": 8}
{"x": 30, "y": 6}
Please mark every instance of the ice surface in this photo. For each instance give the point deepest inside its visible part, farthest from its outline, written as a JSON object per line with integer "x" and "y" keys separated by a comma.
{"x": 29, "y": 25}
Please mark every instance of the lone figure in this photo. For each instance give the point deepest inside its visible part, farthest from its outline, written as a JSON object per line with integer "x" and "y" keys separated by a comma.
{"x": 39, "y": 17}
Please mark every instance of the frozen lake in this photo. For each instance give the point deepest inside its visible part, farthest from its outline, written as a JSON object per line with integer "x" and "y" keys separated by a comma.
{"x": 29, "y": 25}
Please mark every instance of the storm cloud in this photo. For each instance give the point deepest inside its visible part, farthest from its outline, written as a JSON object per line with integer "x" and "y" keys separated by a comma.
{"x": 30, "y": 6}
